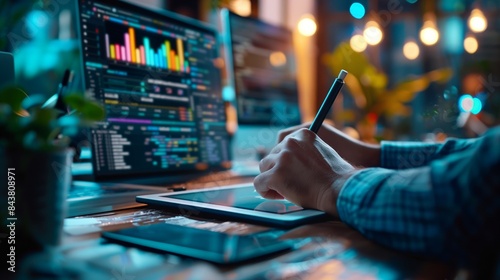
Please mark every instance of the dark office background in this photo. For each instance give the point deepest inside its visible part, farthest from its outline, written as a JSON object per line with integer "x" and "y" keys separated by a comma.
{"x": 42, "y": 36}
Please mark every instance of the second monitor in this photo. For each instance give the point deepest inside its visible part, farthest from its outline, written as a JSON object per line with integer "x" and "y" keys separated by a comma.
{"x": 261, "y": 70}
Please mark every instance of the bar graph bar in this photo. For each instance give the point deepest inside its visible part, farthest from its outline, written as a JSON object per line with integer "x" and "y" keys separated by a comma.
{"x": 131, "y": 34}
{"x": 143, "y": 51}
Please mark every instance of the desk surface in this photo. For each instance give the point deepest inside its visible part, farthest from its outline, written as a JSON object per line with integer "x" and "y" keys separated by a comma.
{"x": 328, "y": 250}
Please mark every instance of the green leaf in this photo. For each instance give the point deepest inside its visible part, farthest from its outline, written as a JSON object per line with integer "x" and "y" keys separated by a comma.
{"x": 415, "y": 85}
{"x": 356, "y": 91}
{"x": 89, "y": 110}
{"x": 93, "y": 112}
{"x": 440, "y": 75}
{"x": 14, "y": 97}
{"x": 44, "y": 117}
{"x": 75, "y": 101}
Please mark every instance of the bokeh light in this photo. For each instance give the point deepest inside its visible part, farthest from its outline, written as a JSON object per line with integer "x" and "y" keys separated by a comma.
{"x": 277, "y": 59}
{"x": 357, "y": 10}
{"x": 466, "y": 103}
{"x": 477, "y": 21}
{"x": 358, "y": 43}
{"x": 471, "y": 45}
{"x": 241, "y": 7}
{"x": 477, "y": 106}
{"x": 429, "y": 34}
{"x": 372, "y": 33}
{"x": 411, "y": 50}
{"x": 307, "y": 25}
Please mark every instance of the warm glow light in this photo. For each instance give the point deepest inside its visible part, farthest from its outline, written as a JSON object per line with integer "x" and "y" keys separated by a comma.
{"x": 358, "y": 43}
{"x": 241, "y": 7}
{"x": 429, "y": 35}
{"x": 372, "y": 33}
{"x": 470, "y": 44}
{"x": 411, "y": 50}
{"x": 477, "y": 21}
{"x": 277, "y": 59}
{"x": 307, "y": 25}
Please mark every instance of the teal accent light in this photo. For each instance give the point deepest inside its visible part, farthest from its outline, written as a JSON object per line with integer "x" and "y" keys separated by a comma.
{"x": 357, "y": 10}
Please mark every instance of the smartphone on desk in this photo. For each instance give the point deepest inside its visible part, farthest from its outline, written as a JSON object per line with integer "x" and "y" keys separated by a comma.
{"x": 213, "y": 246}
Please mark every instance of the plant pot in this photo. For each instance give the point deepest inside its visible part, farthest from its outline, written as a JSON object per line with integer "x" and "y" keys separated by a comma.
{"x": 38, "y": 183}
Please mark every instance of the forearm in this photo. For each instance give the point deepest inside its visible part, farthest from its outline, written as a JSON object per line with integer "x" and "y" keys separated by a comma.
{"x": 448, "y": 209}
{"x": 354, "y": 151}
{"x": 404, "y": 155}
{"x": 385, "y": 206}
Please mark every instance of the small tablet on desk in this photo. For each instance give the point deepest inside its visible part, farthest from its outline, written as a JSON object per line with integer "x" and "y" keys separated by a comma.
{"x": 217, "y": 247}
{"x": 239, "y": 202}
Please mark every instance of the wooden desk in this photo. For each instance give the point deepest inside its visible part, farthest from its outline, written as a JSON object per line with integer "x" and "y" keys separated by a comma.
{"x": 330, "y": 250}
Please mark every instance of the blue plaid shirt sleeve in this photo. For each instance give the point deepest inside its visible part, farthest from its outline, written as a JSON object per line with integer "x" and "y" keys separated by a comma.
{"x": 403, "y": 155}
{"x": 448, "y": 207}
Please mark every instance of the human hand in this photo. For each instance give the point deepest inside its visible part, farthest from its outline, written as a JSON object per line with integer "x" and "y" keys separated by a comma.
{"x": 287, "y": 131}
{"x": 352, "y": 150}
{"x": 305, "y": 170}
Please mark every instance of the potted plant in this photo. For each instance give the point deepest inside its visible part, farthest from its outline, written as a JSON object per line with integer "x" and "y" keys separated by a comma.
{"x": 35, "y": 161}
{"x": 369, "y": 88}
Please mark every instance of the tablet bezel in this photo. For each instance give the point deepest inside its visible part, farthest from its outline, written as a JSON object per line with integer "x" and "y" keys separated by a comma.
{"x": 194, "y": 208}
{"x": 231, "y": 250}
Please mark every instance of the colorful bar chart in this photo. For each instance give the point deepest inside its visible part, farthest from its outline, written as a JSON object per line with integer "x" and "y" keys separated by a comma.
{"x": 143, "y": 53}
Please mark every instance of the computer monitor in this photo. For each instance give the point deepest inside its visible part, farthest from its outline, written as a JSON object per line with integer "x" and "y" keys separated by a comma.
{"x": 262, "y": 71}
{"x": 155, "y": 74}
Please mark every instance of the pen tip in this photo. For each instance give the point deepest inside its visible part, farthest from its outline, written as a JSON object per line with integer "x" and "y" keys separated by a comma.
{"x": 342, "y": 74}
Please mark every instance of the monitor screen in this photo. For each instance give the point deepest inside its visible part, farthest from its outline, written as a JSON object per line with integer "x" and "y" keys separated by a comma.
{"x": 262, "y": 69}
{"x": 156, "y": 75}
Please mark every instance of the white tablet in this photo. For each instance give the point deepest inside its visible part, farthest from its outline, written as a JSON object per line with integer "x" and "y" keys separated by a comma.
{"x": 239, "y": 202}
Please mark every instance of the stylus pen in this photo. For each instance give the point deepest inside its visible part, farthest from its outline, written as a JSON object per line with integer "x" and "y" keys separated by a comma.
{"x": 328, "y": 102}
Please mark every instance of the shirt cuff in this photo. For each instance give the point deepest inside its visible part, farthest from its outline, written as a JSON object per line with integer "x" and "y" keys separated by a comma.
{"x": 404, "y": 155}
{"x": 355, "y": 189}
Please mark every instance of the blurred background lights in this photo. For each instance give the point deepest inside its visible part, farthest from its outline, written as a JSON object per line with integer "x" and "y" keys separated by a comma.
{"x": 411, "y": 50}
{"x": 477, "y": 106}
{"x": 470, "y": 44}
{"x": 358, "y": 43}
{"x": 372, "y": 33}
{"x": 452, "y": 34}
{"x": 467, "y": 104}
{"x": 277, "y": 59}
{"x": 307, "y": 25}
{"x": 357, "y": 10}
{"x": 412, "y": 1}
{"x": 477, "y": 21}
{"x": 429, "y": 35}
{"x": 241, "y": 7}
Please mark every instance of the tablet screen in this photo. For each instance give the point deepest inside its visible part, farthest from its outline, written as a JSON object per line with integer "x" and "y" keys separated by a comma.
{"x": 245, "y": 198}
